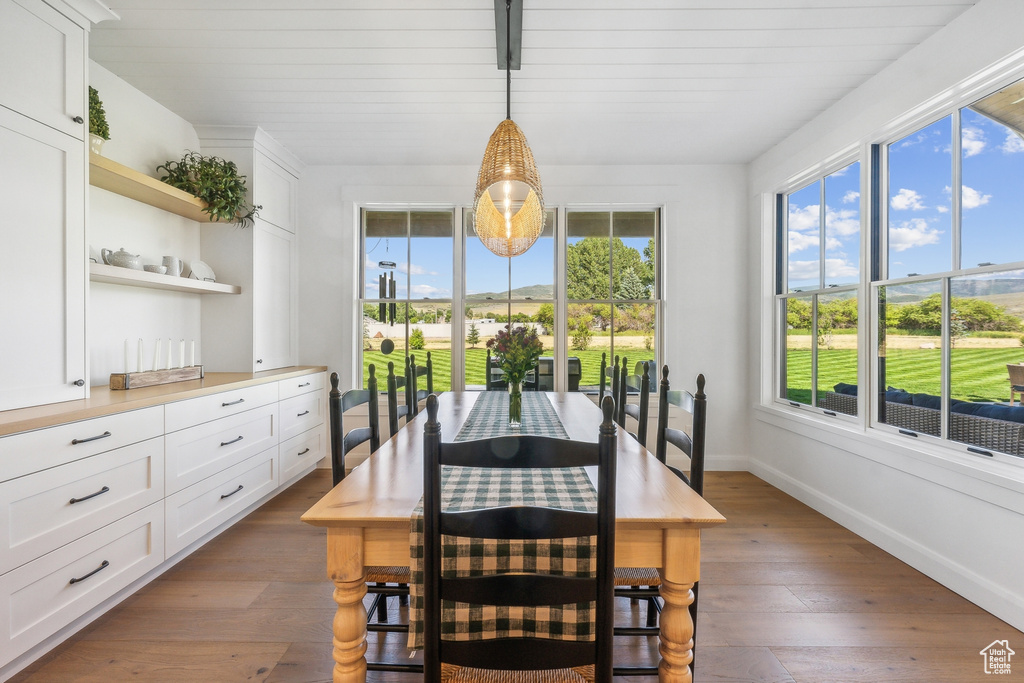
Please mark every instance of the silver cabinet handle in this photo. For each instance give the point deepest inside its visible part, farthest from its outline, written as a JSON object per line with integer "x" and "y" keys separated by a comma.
{"x": 304, "y": 412}
{"x": 303, "y": 452}
{"x": 75, "y": 442}
{"x": 228, "y": 443}
{"x": 104, "y": 565}
{"x": 232, "y": 403}
{"x": 304, "y": 385}
{"x": 91, "y": 495}
{"x": 228, "y": 495}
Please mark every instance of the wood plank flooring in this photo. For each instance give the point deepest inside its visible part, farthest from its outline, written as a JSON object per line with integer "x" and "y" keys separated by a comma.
{"x": 787, "y": 596}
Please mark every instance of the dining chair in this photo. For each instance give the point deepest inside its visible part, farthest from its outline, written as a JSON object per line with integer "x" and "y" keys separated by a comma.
{"x": 394, "y": 383}
{"x": 492, "y": 659}
{"x": 414, "y": 394}
{"x": 490, "y": 383}
{"x": 620, "y": 396}
{"x": 692, "y": 445}
{"x": 639, "y": 382}
{"x": 342, "y": 442}
{"x": 613, "y": 373}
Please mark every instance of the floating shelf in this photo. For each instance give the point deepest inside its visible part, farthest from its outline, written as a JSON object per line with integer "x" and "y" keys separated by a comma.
{"x": 125, "y": 181}
{"x": 99, "y": 272}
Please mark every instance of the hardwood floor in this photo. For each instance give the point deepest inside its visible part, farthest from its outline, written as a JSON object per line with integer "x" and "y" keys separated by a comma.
{"x": 787, "y": 595}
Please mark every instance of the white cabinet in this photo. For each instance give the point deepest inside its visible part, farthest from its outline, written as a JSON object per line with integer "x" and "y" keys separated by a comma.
{"x": 42, "y": 190}
{"x": 43, "y": 77}
{"x": 257, "y": 330}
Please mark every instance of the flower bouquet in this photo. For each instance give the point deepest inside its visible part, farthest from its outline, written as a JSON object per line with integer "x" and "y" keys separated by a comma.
{"x": 515, "y": 351}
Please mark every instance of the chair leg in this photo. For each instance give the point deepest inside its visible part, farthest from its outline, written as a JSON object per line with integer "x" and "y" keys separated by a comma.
{"x": 633, "y": 601}
{"x": 403, "y": 599}
{"x": 653, "y": 609}
{"x": 382, "y": 608}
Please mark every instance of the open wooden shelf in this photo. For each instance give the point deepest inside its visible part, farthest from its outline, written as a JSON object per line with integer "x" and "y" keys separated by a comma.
{"x": 125, "y": 181}
{"x": 99, "y": 272}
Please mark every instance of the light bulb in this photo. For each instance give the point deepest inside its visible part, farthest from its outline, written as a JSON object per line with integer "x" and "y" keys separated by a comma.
{"x": 508, "y": 188}
{"x": 508, "y": 203}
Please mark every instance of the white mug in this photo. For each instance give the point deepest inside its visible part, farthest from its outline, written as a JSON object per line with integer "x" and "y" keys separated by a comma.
{"x": 174, "y": 265}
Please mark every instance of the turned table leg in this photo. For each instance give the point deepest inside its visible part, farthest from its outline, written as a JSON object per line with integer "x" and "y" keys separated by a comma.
{"x": 345, "y": 569}
{"x": 680, "y": 570}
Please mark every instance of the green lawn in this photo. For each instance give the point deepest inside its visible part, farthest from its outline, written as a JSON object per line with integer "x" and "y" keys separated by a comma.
{"x": 476, "y": 359}
{"x": 977, "y": 374}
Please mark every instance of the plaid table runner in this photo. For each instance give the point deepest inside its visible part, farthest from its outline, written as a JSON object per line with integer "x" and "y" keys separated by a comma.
{"x": 466, "y": 488}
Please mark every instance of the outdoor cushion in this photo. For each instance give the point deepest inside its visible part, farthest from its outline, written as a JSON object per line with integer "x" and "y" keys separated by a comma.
{"x": 898, "y": 396}
{"x": 926, "y": 401}
{"x": 998, "y": 412}
{"x": 968, "y": 407}
{"x": 848, "y": 389}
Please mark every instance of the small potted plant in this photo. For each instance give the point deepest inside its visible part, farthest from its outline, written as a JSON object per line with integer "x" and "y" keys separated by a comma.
{"x": 99, "y": 131}
{"x": 516, "y": 352}
{"x": 216, "y": 182}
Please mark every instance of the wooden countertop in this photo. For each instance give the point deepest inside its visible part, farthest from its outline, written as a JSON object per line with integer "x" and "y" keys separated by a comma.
{"x": 104, "y": 401}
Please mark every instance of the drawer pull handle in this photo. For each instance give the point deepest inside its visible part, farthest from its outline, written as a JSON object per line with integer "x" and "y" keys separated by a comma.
{"x": 91, "y": 495}
{"x": 83, "y": 578}
{"x": 232, "y": 403}
{"x": 228, "y": 495}
{"x": 228, "y": 443}
{"x": 304, "y": 385}
{"x": 75, "y": 442}
{"x": 304, "y": 412}
{"x": 303, "y": 452}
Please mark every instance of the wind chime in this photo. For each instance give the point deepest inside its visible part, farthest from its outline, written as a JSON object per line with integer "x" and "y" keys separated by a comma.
{"x": 387, "y": 290}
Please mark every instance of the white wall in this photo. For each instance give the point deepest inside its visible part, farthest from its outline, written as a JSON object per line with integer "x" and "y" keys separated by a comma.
{"x": 705, "y": 251}
{"x": 143, "y": 135}
{"x": 956, "y": 517}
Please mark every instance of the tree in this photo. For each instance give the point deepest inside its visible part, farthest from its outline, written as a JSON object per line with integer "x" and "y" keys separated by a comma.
{"x": 546, "y": 316}
{"x": 586, "y": 265}
{"x": 632, "y": 287}
{"x": 798, "y": 314}
{"x": 957, "y": 327}
{"x": 473, "y": 336}
{"x": 581, "y": 333}
{"x": 416, "y": 340}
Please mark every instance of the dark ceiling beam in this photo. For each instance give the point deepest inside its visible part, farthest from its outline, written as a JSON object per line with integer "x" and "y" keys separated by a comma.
{"x": 517, "y": 32}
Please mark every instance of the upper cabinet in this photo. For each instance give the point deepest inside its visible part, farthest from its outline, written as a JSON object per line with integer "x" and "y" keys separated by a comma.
{"x": 257, "y": 330}
{"x": 43, "y": 77}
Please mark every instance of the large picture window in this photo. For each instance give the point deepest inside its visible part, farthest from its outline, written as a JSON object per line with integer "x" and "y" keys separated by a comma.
{"x": 951, "y": 306}
{"x": 819, "y": 227}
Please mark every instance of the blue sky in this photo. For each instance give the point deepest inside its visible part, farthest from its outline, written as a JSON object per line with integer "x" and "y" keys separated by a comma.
{"x": 920, "y": 205}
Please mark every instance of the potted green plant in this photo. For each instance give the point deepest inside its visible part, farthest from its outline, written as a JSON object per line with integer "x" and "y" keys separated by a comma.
{"x": 214, "y": 180}
{"x": 99, "y": 131}
{"x": 516, "y": 352}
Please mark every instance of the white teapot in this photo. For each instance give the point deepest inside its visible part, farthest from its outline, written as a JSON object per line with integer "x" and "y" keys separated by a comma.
{"x": 121, "y": 259}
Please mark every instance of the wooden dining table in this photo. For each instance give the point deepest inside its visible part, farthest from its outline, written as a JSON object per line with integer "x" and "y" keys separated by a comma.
{"x": 367, "y": 515}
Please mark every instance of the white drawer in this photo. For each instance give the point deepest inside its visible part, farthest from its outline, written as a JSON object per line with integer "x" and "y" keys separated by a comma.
{"x": 38, "y": 598}
{"x": 183, "y": 414}
{"x": 300, "y": 414}
{"x": 196, "y": 453}
{"x": 301, "y": 453}
{"x": 45, "y": 510}
{"x": 301, "y": 385}
{"x": 195, "y": 511}
{"x": 28, "y": 452}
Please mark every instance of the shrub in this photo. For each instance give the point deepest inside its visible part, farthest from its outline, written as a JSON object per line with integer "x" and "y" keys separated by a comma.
{"x": 416, "y": 341}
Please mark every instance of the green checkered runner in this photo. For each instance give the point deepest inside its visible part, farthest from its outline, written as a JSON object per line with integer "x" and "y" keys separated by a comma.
{"x": 468, "y": 488}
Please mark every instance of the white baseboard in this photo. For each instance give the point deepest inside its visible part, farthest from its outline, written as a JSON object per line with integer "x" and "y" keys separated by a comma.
{"x": 951, "y": 574}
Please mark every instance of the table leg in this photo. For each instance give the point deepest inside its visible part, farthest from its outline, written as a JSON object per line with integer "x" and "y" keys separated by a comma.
{"x": 680, "y": 570}
{"x": 345, "y": 569}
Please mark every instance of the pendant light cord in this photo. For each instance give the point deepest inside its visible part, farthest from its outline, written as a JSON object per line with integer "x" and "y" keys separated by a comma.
{"x": 508, "y": 59}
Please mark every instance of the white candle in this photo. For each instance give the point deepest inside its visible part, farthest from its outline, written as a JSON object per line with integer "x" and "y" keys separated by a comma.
{"x": 126, "y": 356}
{"x": 138, "y": 365}
{"x": 168, "y": 353}
{"x": 192, "y": 354}
{"x": 181, "y": 353}
{"x": 156, "y": 354}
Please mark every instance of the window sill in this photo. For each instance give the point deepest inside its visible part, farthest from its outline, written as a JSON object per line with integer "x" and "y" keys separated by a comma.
{"x": 998, "y": 481}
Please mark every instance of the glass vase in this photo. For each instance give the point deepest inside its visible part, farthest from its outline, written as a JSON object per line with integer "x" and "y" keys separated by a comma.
{"x": 515, "y": 405}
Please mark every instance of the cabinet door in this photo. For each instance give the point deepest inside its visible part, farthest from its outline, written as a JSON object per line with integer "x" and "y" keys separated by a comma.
{"x": 42, "y": 281}
{"x": 43, "y": 53}
{"x": 274, "y": 330}
{"x": 275, "y": 190}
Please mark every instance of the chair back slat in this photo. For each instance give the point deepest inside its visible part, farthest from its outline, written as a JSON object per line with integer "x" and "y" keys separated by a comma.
{"x": 604, "y": 376}
{"x": 338, "y": 404}
{"x": 692, "y": 444}
{"x": 620, "y": 397}
{"x": 513, "y": 590}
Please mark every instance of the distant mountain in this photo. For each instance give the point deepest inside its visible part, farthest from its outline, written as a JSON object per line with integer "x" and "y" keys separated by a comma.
{"x": 966, "y": 288}
{"x": 531, "y": 291}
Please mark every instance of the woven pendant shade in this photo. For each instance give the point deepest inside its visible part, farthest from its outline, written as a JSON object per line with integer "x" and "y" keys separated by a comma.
{"x": 508, "y": 161}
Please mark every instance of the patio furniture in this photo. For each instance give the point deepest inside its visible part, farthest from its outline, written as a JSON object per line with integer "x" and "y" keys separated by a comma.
{"x": 1016, "y": 380}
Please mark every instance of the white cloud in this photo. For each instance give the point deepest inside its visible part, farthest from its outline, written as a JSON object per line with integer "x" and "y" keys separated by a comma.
{"x": 851, "y": 196}
{"x": 906, "y": 199}
{"x": 799, "y": 241}
{"x": 972, "y": 199}
{"x": 941, "y": 208}
{"x": 804, "y": 219}
{"x": 832, "y": 243}
{"x": 972, "y": 141}
{"x": 842, "y": 222}
{"x": 1013, "y": 143}
{"x": 837, "y": 268}
{"x": 912, "y": 233}
{"x": 426, "y": 291}
{"x": 803, "y": 270}
{"x": 920, "y": 137}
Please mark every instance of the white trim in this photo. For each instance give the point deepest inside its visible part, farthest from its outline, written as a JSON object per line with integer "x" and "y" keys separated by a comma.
{"x": 955, "y": 576}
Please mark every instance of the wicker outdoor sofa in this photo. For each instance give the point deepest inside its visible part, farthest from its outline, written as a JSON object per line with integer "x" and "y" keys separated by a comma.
{"x": 983, "y": 432}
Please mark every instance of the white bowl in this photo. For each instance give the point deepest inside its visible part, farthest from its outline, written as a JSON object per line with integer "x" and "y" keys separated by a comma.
{"x": 162, "y": 270}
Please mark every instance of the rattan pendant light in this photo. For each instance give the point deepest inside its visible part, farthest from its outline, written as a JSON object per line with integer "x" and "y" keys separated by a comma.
{"x": 509, "y": 202}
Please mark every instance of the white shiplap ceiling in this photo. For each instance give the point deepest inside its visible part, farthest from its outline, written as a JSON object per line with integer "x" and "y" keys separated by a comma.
{"x": 603, "y": 81}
